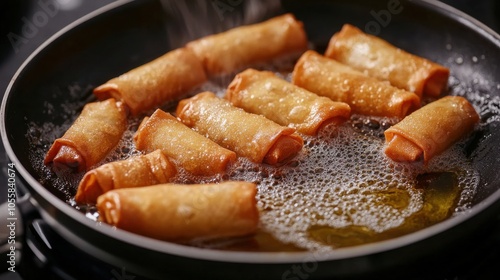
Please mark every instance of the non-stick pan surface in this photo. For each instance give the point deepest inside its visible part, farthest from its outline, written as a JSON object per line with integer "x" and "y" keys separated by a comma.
{"x": 126, "y": 34}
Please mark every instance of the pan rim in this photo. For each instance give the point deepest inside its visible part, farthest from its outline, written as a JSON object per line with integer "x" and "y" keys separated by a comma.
{"x": 219, "y": 255}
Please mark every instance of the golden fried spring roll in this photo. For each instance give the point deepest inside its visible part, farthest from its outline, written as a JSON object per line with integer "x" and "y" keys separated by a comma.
{"x": 261, "y": 92}
{"x": 379, "y": 59}
{"x": 249, "y": 135}
{"x": 229, "y": 51}
{"x": 167, "y": 78}
{"x": 183, "y": 212}
{"x": 192, "y": 151}
{"x": 366, "y": 95}
{"x": 96, "y": 131}
{"x": 431, "y": 129}
{"x": 138, "y": 171}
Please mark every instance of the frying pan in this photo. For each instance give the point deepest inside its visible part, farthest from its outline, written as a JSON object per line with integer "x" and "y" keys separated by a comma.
{"x": 126, "y": 34}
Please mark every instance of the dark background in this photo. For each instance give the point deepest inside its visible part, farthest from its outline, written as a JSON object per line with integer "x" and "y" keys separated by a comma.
{"x": 483, "y": 262}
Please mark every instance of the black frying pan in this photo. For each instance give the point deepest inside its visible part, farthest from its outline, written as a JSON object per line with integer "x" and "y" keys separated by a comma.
{"x": 126, "y": 34}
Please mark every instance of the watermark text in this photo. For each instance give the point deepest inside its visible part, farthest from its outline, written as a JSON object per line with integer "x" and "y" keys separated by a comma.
{"x": 11, "y": 216}
{"x": 383, "y": 17}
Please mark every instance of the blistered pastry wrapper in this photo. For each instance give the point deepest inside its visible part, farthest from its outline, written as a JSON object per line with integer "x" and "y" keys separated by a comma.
{"x": 378, "y": 58}
{"x": 431, "y": 129}
{"x": 164, "y": 79}
{"x": 95, "y": 132}
{"x": 262, "y": 92}
{"x": 231, "y": 50}
{"x": 176, "y": 212}
{"x": 188, "y": 149}
{"x": 249, "y": 135}
{"x": 138, "y": 171}
{"x": 365, "y": 95}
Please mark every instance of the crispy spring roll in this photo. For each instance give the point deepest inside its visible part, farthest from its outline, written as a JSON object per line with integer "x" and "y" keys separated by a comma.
{"x": 190, "y": 150}
{"x": 229, "y": 51}
{"x": 138, "y": 171}
{"x": 96, "y": 131}
{"x": 261, "y": 92}
{"x": 165, "y": 79}
{"x": 379, "y": 59}
{"x": 249, "y": 135}
{"x": 183, "y": 212}
{"x": 366, "y": 95}
{"x": 431, "y": 129}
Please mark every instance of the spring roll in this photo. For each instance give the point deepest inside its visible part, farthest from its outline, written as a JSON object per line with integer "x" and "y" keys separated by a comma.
{"x": 165, "y": 79}
{"x": 379, "y": 59}
{"x": 138, "y": 171}
{"x": 229, "y": 51}
{"x": 183, "y": 212}
{"x": 96, "y": 131}
{"x": 366, "y": 95}
{"x": 249, "y": 135}
{"x": 262, "y": 92}
{"x": 430, "y": 130}
{"x": 195, "y": 153}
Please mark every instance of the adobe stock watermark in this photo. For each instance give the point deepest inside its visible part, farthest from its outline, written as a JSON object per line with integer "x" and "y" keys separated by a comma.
{"x": 11, "y": 221}
{"x": 221, "y": 7}
{"x": 46, "y": 9}
{"x": 122, "y": 275}
{"x": 305, "y": 269}
{"x": 383, "y": 17}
